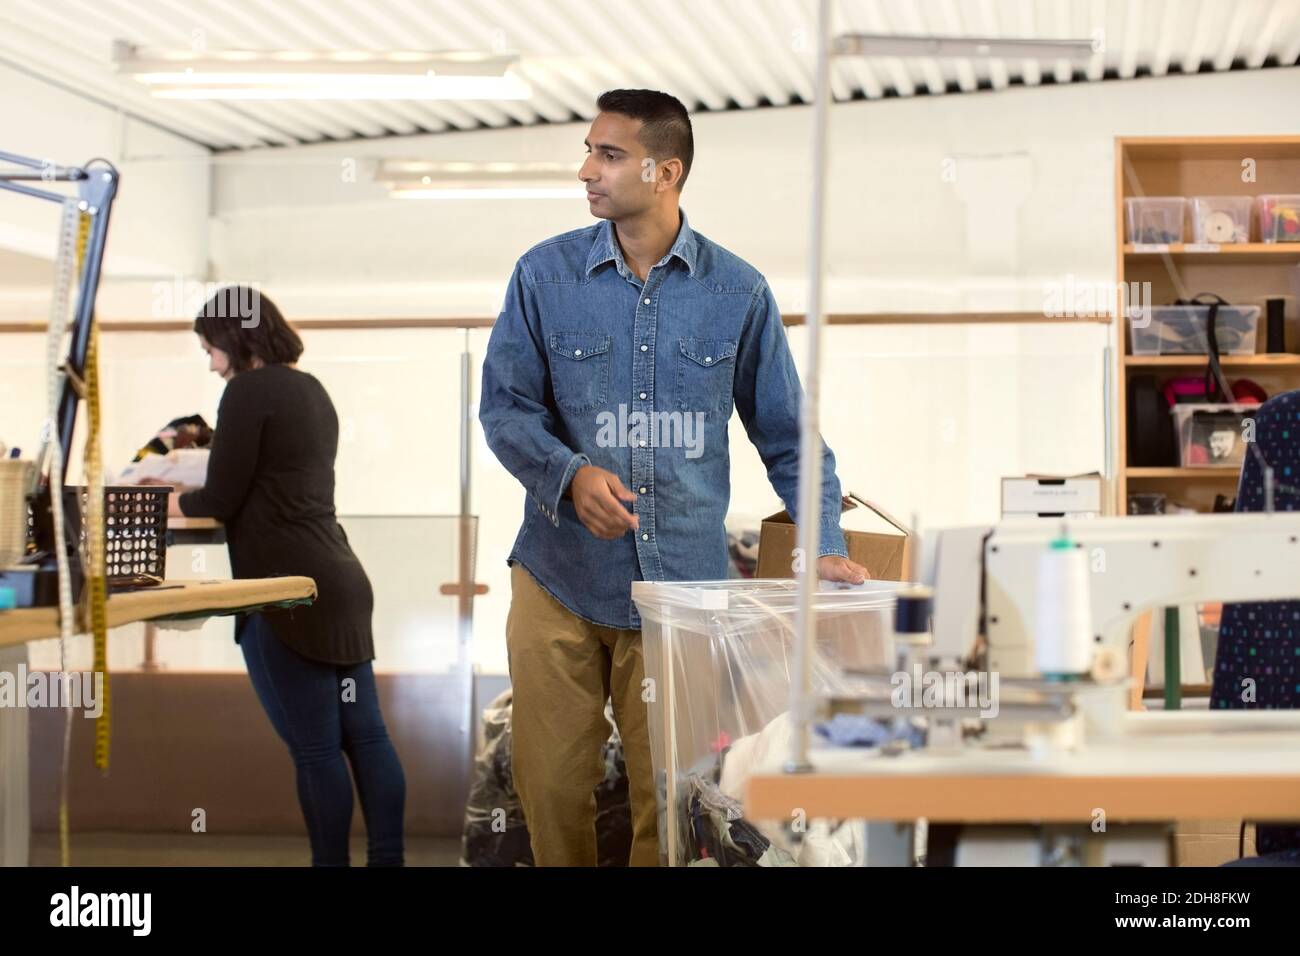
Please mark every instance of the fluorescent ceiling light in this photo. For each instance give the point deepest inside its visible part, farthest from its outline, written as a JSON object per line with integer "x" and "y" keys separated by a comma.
{"x": 328, "y": 75}
{"x": 430, "y": 179}
{"x": 492, "y": 192}
{"x": 901, "y": 45}
{"x": 423, "y": 171}
{"x": 349, "y": 88}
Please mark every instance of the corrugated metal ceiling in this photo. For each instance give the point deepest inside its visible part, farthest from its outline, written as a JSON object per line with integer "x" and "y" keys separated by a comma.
{"x": 713, "y": 54}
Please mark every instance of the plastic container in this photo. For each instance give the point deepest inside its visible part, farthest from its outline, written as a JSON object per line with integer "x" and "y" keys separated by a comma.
{"x": 16, "y": 480}
{"x": 1213, "y": 436}
{"x": 1155, "y": 220}
{"x": 135, "y": 530}
{"x": 1221, "y": 219}
{"x": 135, "y": 536}
{"x": 1181, "y": 330}
{"x": 1279, "y": 217}
{"x": 718, "y": 656}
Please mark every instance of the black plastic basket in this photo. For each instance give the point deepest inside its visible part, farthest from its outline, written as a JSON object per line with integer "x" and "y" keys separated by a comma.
{"x": 135, "y": 530}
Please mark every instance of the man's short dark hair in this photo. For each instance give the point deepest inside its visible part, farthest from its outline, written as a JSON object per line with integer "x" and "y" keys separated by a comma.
{"x": 666, "y": 133}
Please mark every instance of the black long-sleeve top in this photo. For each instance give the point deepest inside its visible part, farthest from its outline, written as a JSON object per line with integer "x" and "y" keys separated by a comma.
{"x": 271, "y": 482}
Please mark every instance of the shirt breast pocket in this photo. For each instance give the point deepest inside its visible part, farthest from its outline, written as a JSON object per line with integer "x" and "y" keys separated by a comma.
{"x": 705, "y": 370}
{"x": 580, "y": 369}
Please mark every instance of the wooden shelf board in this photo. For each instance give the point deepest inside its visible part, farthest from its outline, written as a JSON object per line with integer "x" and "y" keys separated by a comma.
{"x": 1264, "y": 360}
{"x": 1190, "y": 474}
{"x": 1157, "y": 691}
{"x": 1239, "y": 250}
{"x": 1178, "y": 148}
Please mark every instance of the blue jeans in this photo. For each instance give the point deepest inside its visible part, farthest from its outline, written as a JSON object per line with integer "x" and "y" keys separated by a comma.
{"x": 321, "y": 718}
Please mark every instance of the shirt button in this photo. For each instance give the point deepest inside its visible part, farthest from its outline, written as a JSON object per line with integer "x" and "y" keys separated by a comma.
{"x": 645, "y": 348}
{"x": 577, "y": 351}
{"x": 643, "y": 394}
{"x": 646, "y": 301}
{"x": 643, "y": 443}
{"x": 645, "y": 537}
{"x": 708, "y": 359}
{"x": 642, "y": 489}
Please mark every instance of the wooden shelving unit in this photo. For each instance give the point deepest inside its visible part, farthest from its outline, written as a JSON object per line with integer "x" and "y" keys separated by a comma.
{"x": 1243, "y": 274}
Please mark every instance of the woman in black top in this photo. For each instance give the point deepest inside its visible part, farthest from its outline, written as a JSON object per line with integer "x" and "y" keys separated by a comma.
{"x": 270, "y": 480}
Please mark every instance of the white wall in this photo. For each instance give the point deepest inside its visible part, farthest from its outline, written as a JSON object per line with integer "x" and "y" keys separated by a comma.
{"x": 158, "y": 228}
{"x": 898, "y": 236}
{"x": 922, "y": 418}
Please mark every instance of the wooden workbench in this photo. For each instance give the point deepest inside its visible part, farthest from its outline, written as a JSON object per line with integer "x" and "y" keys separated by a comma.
{"x": 172, "y": 599}
{"x": 193, "y": 524}
{"x": 1247, "y": 767}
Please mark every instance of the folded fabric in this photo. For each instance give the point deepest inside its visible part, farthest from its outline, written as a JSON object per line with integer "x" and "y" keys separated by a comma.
{"x": 496, "y": 833}
{"x": 858, "y": 730}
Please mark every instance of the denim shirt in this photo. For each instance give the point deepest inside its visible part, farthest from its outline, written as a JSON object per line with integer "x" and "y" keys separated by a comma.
{"x": 588, "y": 365}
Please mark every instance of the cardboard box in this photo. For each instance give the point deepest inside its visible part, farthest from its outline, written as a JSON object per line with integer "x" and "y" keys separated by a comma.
{"x": 873, "y": 538}
{"x": 1046, "y": 495}
{"x": 1210, "y": 842}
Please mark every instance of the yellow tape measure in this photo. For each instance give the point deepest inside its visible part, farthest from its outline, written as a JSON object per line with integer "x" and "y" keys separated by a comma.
{"x": 96, "y": 593}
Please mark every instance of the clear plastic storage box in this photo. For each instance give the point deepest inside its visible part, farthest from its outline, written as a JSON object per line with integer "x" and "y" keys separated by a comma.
{"x": 1279, "y": 217}
{"x": 1221, "y": 219}
{"x": 1155, "y": 220}
{"x": 718, "y": 660}
{"x": 1181, "y": 330}
{"x": 1213, "y": 436}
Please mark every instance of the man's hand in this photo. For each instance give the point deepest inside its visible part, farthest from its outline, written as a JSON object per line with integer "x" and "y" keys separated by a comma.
{"x": 833, "y": 567}
{"x": 598, "y": 498}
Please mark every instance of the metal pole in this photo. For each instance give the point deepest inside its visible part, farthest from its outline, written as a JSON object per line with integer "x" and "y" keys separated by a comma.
{"x": 25, "y": 161}
{"x": 1108, "y": 433}
{"x": 465, "y": 559}
{"x": 466, "y": 424}
{"x": 810, "y": 443}
{"x": 11, "y": 186}
{"x": 49, "y": 173}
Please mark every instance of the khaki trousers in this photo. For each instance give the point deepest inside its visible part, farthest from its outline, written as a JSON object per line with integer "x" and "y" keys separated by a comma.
{"x": 562, "y": 669}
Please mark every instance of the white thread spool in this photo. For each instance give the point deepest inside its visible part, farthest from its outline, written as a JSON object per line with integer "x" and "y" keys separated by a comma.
{"x": 1063, "y": 619}
{"x": 1107, "y": 664}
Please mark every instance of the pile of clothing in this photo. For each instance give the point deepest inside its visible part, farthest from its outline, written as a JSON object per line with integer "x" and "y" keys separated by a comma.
{"x": 190, "y": 431}
{"x": 717, "y": 834}
{"x": 496, "y": 833}
{"x": 721, "y": 836}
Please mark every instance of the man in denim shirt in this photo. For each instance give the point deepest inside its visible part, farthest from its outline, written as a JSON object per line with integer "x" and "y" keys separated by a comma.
{"x": 610, "y": 377}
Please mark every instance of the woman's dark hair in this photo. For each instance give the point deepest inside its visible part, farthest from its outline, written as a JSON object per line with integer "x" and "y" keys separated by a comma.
{"x": 245, "y": 324}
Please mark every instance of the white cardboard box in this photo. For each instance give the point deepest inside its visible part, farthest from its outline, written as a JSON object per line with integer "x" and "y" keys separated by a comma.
{"x": 1046, "y": 496}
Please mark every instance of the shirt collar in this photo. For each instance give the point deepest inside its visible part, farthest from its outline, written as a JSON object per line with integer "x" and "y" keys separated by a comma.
{"x": 605, "y": 248}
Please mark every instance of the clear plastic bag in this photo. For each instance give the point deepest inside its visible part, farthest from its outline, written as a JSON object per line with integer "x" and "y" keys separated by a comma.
{"x": 718, "y": 663}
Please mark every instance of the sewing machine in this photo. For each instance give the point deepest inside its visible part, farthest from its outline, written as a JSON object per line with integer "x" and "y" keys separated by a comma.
{"x": 1136, "y": 564}
{"x": 986, "y": 585}
{"x": 1029, "y": 779}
